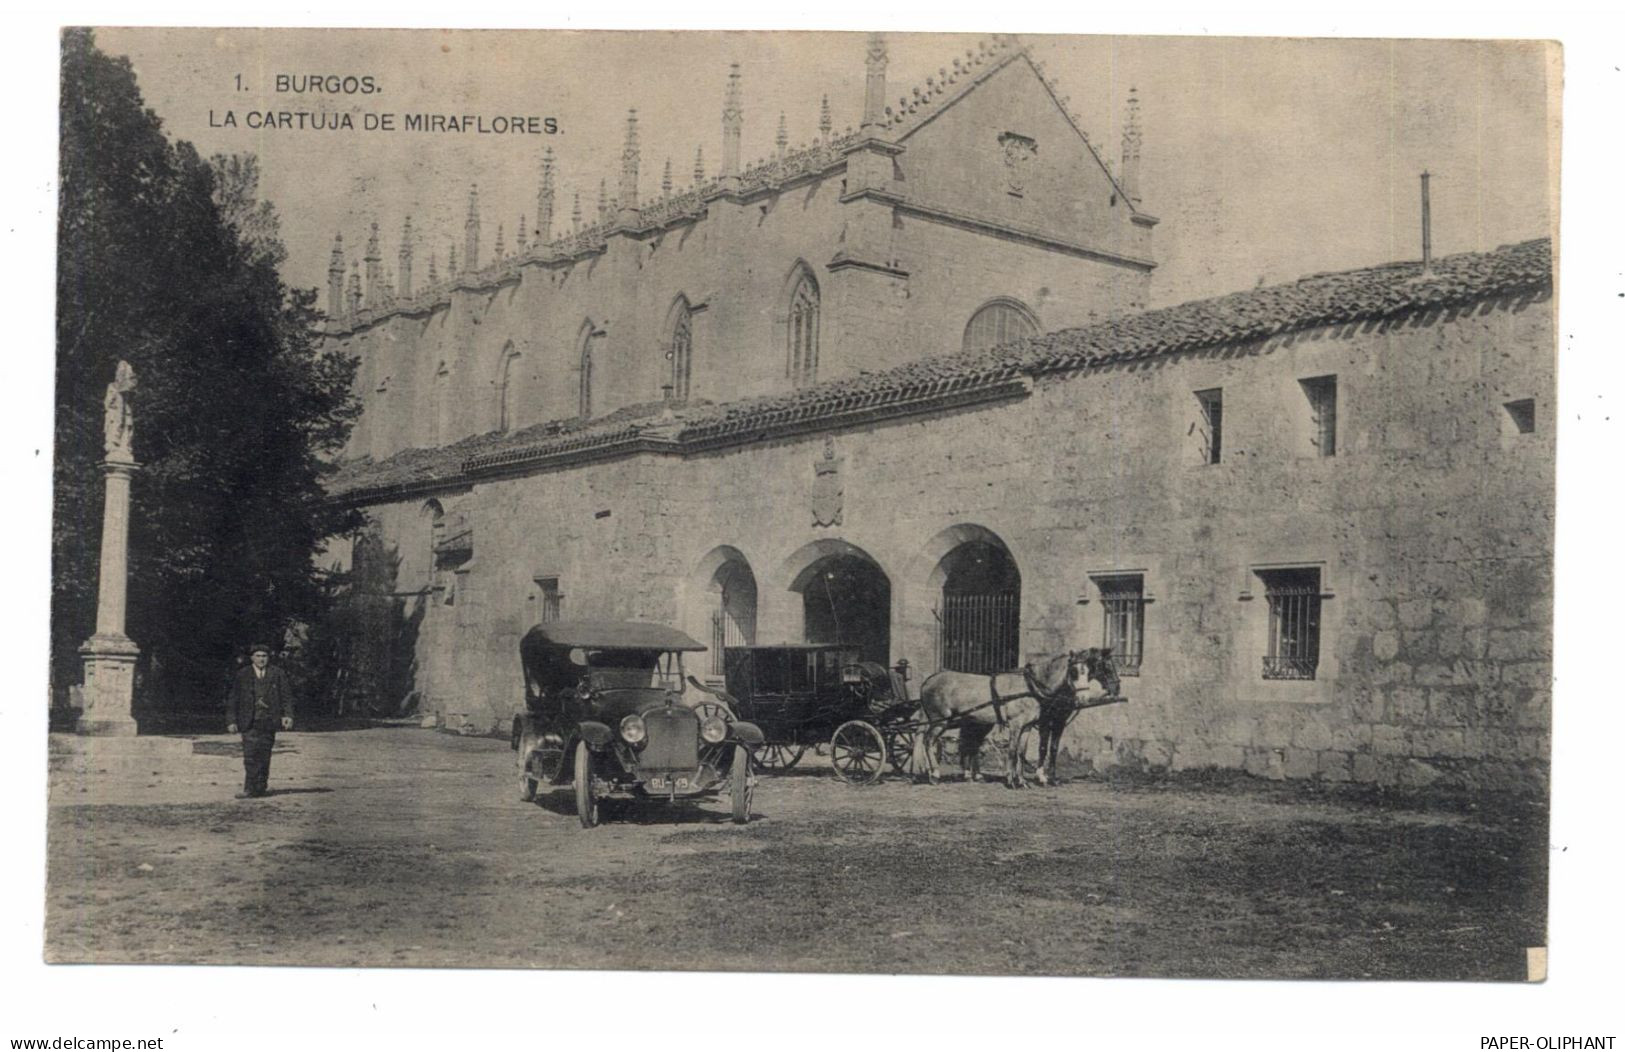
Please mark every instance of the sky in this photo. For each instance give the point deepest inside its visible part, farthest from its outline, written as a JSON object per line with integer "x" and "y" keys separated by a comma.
{"x": 1265, "y": 159}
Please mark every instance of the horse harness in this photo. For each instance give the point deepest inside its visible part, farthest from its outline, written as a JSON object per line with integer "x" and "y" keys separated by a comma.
{"x": 1033, "y": 691}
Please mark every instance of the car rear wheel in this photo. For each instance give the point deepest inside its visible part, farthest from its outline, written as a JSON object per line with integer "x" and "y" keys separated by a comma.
{"x": 740, "y": 788}
{"x": 586, "y": 797}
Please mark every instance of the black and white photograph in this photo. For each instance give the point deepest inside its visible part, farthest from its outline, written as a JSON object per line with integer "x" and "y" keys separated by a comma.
{"x": 874, "y": 503}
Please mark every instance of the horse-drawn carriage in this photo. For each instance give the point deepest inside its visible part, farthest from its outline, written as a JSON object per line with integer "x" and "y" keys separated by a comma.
{"x": 804, "y": 695}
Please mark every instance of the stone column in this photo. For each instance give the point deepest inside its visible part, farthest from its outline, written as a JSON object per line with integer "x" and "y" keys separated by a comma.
{"x": 109, "y": 691}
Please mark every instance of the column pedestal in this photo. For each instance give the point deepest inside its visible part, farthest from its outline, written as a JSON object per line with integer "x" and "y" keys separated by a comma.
{"x": 109, "y": 690}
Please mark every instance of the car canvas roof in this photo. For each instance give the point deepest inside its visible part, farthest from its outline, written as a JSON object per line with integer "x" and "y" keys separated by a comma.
{"x": 610, "y": 635}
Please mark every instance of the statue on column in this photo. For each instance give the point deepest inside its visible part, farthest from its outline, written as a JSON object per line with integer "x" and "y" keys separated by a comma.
{"x": 119, "y": 422}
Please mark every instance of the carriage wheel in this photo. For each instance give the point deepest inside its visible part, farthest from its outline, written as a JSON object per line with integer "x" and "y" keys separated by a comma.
{"x": 779, "y": 757}
{"x": 858, "y": 752}
{"x": 900, "y": 750}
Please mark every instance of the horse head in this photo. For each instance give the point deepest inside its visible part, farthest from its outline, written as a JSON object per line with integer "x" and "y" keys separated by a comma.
{"x": 1095, "y": 663}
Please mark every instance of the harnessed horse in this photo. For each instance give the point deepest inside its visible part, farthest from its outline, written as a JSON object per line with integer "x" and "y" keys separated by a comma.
{"x": 1044, "y": 693}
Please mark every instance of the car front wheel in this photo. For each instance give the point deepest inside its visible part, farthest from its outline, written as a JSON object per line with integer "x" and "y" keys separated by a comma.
{"x": 586, "y": 797}
{"x": 740, "y": 789}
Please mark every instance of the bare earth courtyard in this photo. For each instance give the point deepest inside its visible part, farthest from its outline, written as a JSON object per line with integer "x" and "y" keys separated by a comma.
{"x": 397, "y": 846}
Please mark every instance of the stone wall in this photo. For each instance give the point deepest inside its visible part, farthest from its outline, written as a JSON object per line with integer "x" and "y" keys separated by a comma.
{"x": 1431, "y": 529}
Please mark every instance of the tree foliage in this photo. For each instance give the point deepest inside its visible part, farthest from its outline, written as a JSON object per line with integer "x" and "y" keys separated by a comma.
{"x": 170, "y": 262}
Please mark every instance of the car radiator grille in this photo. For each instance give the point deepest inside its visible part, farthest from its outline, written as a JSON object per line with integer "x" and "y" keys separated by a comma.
{"x": 673, "y": 743}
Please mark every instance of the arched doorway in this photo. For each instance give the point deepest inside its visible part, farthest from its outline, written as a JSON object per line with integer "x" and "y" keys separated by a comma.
{"x": 979, "y": 619}
{"x": 733, "y": 619}
{"x": 846, "y": 598}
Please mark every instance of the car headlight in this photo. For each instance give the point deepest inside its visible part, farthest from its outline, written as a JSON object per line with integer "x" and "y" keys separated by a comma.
{"x": 714, "y": 729}
{"x": 632, "y": 729}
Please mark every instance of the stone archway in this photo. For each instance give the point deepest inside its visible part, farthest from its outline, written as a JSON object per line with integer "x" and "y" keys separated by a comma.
{"x": 845, "y": 597}
{"x": 720, "y": 603}
{"x": 963, "y": 607}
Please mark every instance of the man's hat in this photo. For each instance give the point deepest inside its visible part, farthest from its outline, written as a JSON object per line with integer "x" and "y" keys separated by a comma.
{"x": 258, "y": 648}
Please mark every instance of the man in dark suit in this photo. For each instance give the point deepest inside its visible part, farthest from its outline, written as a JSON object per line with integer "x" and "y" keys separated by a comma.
{"x": 260, "y": 701}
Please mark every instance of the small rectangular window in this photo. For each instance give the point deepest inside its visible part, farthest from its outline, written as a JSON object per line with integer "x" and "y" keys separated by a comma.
{"x": 1322, "y": 394}
{"x": 1522, "y": 412}
{"x": 1294, "y": 611}
{"x": 1212, "y": 423}
{"x": 552, "y": 598}
{"x": 1122, "y": 604}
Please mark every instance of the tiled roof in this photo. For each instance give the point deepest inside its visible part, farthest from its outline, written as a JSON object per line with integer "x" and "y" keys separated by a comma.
{"x": 935, "y": 382}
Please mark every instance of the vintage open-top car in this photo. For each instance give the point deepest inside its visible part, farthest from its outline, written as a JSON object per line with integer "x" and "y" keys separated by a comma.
{"x": 607, "y": 708}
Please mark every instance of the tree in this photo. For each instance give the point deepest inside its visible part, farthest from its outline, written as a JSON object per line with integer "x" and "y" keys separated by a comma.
{"x": 169, "y": 262}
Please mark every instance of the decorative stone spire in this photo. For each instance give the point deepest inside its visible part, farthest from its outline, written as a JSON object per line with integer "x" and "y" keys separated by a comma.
{"x": 471, "y": 230}
{"x": 501, "y": 250}
{"x": 405, "y": 260}
{"x": 544, "y": 200}
{"x": 335, "y": 278}
{"x": 781, "y": 141}
{"x": 375, "y": 270}
{"x": 1131, "y": 148}
{"x": 451, "y": 262}
{"x": 434, "y": 274}
{"x": 665, "y": 180}
{"x": 603, "y": 200}
{"x": 355, "y": 287}
{"x": 575, "y": 215}
{"x": 733, "y": 123}
{"x": 629, "y": 163}
{"x": 874, "y": 85}
{"x": 523, "y": 238}
{"x": 699, "y": 165}
{"x": 825, "y": 125}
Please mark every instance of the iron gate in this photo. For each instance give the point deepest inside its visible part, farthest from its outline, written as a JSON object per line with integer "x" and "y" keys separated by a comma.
{"x": 979, "y": 633}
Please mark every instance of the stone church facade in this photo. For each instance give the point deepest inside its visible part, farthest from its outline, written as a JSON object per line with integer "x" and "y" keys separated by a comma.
{"x": 898, "y": 389}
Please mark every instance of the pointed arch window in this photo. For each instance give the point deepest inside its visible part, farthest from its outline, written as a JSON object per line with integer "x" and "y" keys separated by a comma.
{"x": 681, "y": 351}
{"x": 588, "y": 335}
{"x": 999, "y": 322}
{"x": 508, "y": 390}
{"x": 803, "y": 325}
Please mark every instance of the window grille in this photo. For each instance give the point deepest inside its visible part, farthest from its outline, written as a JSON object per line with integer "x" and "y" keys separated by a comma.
{"x": 1322, "y": 393}
{"x": 1294, "y": 612}
{"x": 682, "y": 353}
{"x": 1122, "y": 602}
{"x": 732, "y": 622}
{"x": 980, "y": 632}
{"x": 999, "y": 322}
{"x": 1212, "y": 423}
{"x": 803, "y": 363}
{"x": 552, "y": 599}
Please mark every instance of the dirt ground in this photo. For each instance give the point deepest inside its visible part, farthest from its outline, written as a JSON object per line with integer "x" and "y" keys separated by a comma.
{"x": 399, "y": 846}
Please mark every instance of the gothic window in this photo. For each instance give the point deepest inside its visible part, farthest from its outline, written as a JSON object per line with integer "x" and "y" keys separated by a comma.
{"x": 434, "y": 518}
{"x": 508, "y": 390}
{"x": 803, "y": 319}
{"x": 681, "y": 352}
{"x": 998, "y": 322}
{"x": 588, "y": 336}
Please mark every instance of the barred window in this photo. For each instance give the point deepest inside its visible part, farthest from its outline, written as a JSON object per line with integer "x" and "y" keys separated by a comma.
{"x": 1122, "y": 603}
{"x": 1322, "y": 394}
{"x": 1294, "y": 612}
{"x": 999, "y": 322}
{"x": 1211, "y": 424}
{"x": 508, "y": 391}
{"x": 803, "y": 318}
{"x": 552, "y": 600}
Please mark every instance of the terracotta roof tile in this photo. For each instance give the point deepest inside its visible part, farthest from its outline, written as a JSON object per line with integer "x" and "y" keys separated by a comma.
{"x": 1316, "y": 301}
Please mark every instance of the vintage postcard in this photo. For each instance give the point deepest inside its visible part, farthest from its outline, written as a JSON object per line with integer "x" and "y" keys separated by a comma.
{"x": 804, "y": 502}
